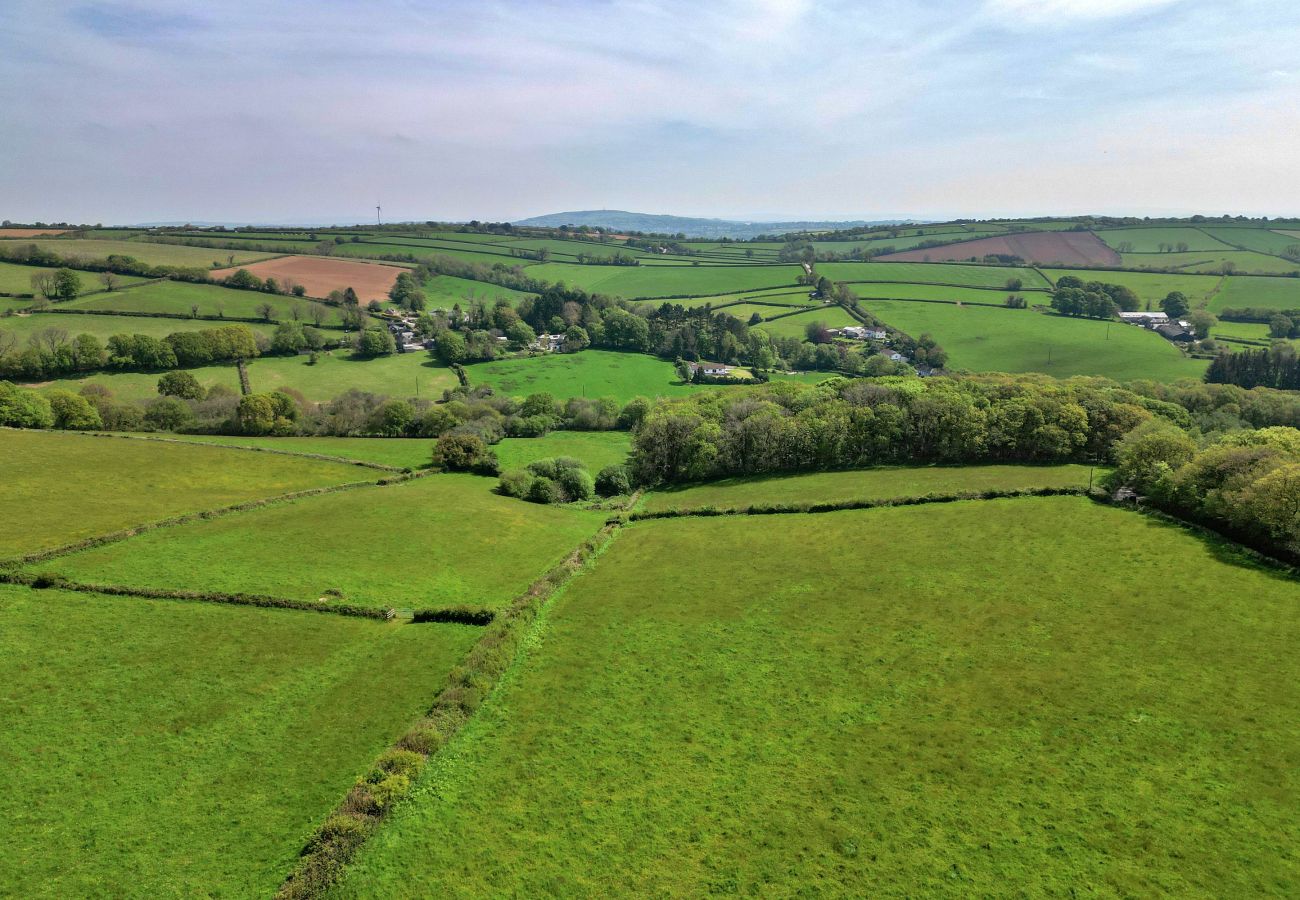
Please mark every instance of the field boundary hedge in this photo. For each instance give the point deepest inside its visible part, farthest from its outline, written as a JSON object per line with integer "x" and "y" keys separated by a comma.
{"x": 205, "y": 317}
{"x": 324, "y": 457}
{"x": 264, "y": 601}
{"x": 770, "y": 509}
{"x": 393, "y": 775}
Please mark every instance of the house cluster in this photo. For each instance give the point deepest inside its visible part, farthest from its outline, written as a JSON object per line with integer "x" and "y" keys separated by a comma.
{"x": 1177, "y": 330}
{"x": 403, "y": 330}
{"x": 548, "y": 343}
{"x": 860, "y": 333}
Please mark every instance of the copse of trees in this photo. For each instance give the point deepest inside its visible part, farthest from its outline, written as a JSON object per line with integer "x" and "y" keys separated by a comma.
{"x": 1094, "y": 299}
{"x": 1275, "y": 367}
{"x": 559, "y": 480}
{"x": 53, "y": 353}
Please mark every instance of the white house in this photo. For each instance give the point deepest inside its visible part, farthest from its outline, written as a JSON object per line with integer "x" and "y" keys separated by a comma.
{"x": 1144, "y": 318}
{"x": 548, "y": 343}
{"x": 714, "y": 369}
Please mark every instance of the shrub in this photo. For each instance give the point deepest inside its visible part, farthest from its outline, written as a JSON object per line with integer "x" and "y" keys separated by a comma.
{"x": 464, "y": 453}
{"x": 168, "y": 414}
{"x": 613, "y": 481}
{"x": 73, "y": 412}
{"x": 515, "y": 484}
{"x": 577, "y": 484}
{"x": 23, "y": 409}
{"x": 387, "y": 792}
{"x": 180, "y": 384}
{"x": 397, "y": 762}
{"x": 544, "y": 490}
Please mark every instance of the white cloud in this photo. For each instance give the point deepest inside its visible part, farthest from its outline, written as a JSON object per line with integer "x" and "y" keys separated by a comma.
{"x": 1063, "y": 13}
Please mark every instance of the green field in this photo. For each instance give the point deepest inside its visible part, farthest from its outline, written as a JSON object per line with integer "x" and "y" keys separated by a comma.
{"x": 164, "y": 749}
{"x": 596, "y": 449}
{"x": 104, "y": 327}
{"x": 400, "y": 375}
{"x": 445, "y": 291}
{"x": 413, "y": 453}
{"x": 1270, "y": 293}
{"x": 1258, "y": 239}
{"x": 796, "y": 326}
{"x": 980, "y": 339}
{"x": 151, "y": 254}
{"x": 60, "y": 488}
{"x": 442, "y": 540}
{"x": 632, "y": 282}
{"x": 182, "y": 298}
{"x": 1148, "y": 240}
{"x": 867, "y": 484}
{"x": 591, "y": 373}
{"x": 1151, "y": 287}
{"x": 928, "y": 273}
{"x": 1028, "y": 697}
{"x": 17, "y": 279}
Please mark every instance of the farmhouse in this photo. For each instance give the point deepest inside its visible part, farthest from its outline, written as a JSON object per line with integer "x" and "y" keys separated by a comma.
{"x": 713, "y": 369}
{"x": 1147, "y": 319}
{"x": 548, "y": 343}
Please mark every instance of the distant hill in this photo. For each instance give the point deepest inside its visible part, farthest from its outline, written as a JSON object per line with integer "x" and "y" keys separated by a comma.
{"x": 691, "y": 227}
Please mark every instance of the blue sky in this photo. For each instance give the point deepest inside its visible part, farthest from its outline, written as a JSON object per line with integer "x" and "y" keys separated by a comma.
{"x": 315, "y": 109}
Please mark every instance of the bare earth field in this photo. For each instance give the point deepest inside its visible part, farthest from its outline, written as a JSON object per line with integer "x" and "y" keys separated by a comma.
{"x": 319, "y": 276}
{"x": 1076, "y": 248}
{"x": 30, "y": 232}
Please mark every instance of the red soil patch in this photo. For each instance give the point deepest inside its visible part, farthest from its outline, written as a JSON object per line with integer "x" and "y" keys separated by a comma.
{"x": 30, "y": 232}
{"x": 320, "y": 275}
{"x": 1070, "y": 248}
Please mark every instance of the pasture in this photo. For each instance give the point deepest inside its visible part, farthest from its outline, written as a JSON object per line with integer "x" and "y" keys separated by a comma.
{"x": 60, "y": 488}
{"x": 929, "y": 273}
{"x": 186, "y": 749}
{"x": 401, "y": 453}
{"x": 980, "y": 339}
{"x": 633, "y": 282}
{"x": 795, "y": 326}
{"x": 17, "y": 279}
{"x": 1270, "y": 293}
{"x": 150, "y": 254}
{"x": 24, "y": 326}
{"x": 184, "y": 298}
{"x": 596, "y": 449}
{"x": 320, "y": 275}
{"x": 591, "y": 373}
{"x": 1010, "y": 696}
{"x": 866, "y": 484}
{"x": 1151, "y": 287}
{"x": 441, "y": 540}
{"x": 445, "y": 291}
{"x": 1150, "y": 240}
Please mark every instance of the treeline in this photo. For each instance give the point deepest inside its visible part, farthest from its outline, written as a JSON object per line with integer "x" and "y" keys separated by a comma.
{"x": 53, "y": 352}
{"x": 33, "y": 255}
{"x": 1275, "y": 367}
{"x": 1093, "y": 299}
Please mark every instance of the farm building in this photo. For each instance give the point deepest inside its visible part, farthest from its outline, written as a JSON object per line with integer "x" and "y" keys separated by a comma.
{"x": 548, "y": 343}
{"x": 712, "y": 369}
{"x": 1148, "y": 319}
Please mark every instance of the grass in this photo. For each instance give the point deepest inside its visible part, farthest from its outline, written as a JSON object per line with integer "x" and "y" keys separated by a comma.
{"x": 1027, "y": 696}
{"x": 591, "y": 373}
{"x": 179, "y": 297}
{"x": 866, "y": 484}
{"x": 17, "y": 279}
{"x": 1151, "y": 287}
{"x": 796, "y": 326}
{"x": 1258, "y": 239}
{"x": 413, "y": 453}
{"x": 60, "y": 488}
{"x": 437, "y": 541}
{"x": 595, "y": 448}
{"x": 445, "y": 291}
{"x": 1000, "y": 340}
{"x": 665, "y": 281}
{"x": 1148, "y": 240}
{"x": 920, "y": 272}
{"x": 399, "y": 375}
{"x": 1270, "y": 293}
{"x": 169, "y": 749}
{"x": 104, "y": 327}
{"x": 150, "y": 254}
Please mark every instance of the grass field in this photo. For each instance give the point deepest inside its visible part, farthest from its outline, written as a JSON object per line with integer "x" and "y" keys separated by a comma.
{"x": 437, "y": 541}
{"x": 1148, "y": 240}
{"x": 941, "y": 292}
{"x": 151, "y": 254}
{"x": 211, "y": 300}
{"x": 1151, "y": 287}
{"x": 1030, "y": 697}
{"x": 17, "y": 279}
{"x": 104, "y": 327}
{"x": 595, "y": 448}
{"x": 996, "y": 340}
{"x": 867, "y": 484}
{"x": 796, "y": 326}
{"x": 1270, "y": 293}
{"x": 445, "y": 291}
{"x": 591, "y": 373}
{"x": 399, "y": 375}
{"x": 60, "y": 488}
{"x": 932, "y": 273}
{"x": 665, "y": 281}
{"x": 1258, "y": 239}
{"x": 164, "y": 749}
{"x": 413, "y": 453}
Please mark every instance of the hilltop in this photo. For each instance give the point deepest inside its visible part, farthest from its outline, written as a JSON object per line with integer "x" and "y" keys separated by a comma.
{"x": 687, "y": 225}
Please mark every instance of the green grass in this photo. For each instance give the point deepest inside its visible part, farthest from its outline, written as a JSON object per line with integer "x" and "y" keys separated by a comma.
{"x": 867, "y": 484}
{"x": 17, "y": 279}
{"x": 60, "y": 488}
{"x": 666, "y": 281}
{"x": 1148, "y": 240}
{"x": 400, "y": 375}
{"x": 1211, "y": 261}
{"x": 104, "y": 327}
{"x": 1258, "y": 239}
{"x": 999, "y": 340}
{"x": 1270, "y": 293}
{"x": 940, "y": 292}
{"x": 591, "y": 373}
{"x": 1018, "y": 697}
{"x": 181, "y": 298}
{"x": 1151, "y": 287}
{"x": 413, "y": 453}
{"x": 796, "y": 326}
{"x": 596, "y": 449}
{"x": 920, "y": 272}
{"x": 436, "y": 541}
{"x": 445, "y": 291}
{"x": 151, "y": 254}
{"x": 166, "y": 749}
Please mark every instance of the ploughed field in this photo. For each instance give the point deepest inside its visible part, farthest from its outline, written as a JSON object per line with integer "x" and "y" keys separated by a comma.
{"x": 1070, "y": 248}
{"x": 320, "y": 275}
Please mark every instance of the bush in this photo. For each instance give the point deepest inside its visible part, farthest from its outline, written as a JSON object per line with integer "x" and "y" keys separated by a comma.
{"x": 515, "y": 484}
{"x": 544, "y": 490}
{"x": 168, "y": 414}
{"x": 464, "y": 453}
{"x": 613, "y": 481}
{"x": 577, "y": 484}
{"x": 180, "y": 384}
{"x": 23, "y": 409}
{"x": 73, "y": 412}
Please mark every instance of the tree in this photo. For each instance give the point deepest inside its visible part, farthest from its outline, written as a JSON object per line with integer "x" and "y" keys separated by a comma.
{"x": 450, "y": 347}
{"x": 180, "y": 384}
{"x": 1175, "y": 304}
{"x": 256, "y": 414}
{"x": 613, "y": 481}
{"x": 521, "y": 334}
{"x": 1280, "y": 326}
{"x": 109, "y": 280}
{"x": 1202, "y": 321}
{"x": 392, "y": 419}
{"x": 244, "y": 279}
{"x": 23, "y": 409}
{"x": 1015, "y": 284}
{"x": 266, "y": 310}
{"x": 168, "y": 414}
{"x": 575, "y": 339}
{"x": 464, "y": 453}
{"x": 375, "y": 342}
{"x": 350, "y": 297}
{"x": 73, "y": 412}
{"x": 288, "y": 339}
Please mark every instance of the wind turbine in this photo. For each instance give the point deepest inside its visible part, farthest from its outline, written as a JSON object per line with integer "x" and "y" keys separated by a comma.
{"x": 378, "y": 220}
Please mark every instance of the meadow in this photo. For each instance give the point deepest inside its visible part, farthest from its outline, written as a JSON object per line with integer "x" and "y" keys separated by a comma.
{"x": 441, "y": 540}
{"x": 1258, "y": 239}
{"x": 1151, "y": 287}
{"x": 400, "y": 453}
{"x": 445, "y": 291}
{"x": 591, "y": 373}
{"x": 957, "y": 274}
{"x": 150, "y": 254}
{"x": 1270, "y": 293}
{"x": 980, "y": 339}
{"x": 632, "y": 282}
{"x": 182, "y": 298}
{"x": 959, "y": 699}
{"x": 1149, "y": 240}
{"x": 867, "y": 484}
{"x": 596, "y": 449}
{"x": 17, "y": 279}
{"x": 104, "y": 327}
{"x": 796, "y": 326}
{"x": 183, "y": 749}
{"x": 60, "y": 488}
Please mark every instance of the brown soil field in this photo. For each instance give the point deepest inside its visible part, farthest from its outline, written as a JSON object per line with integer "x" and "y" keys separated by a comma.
{"x": 1070, "y": 248}
{"x": 30, "y": 232}
{"x": 320, "y": 275}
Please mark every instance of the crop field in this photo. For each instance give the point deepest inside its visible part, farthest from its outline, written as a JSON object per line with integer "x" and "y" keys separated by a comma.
{"x": 104, "y": 327}
{"x": 441, "y": 540}
{"x": 968, "y": 698}
{"x": 189, "y": 749}
{"x": 320, "y": 275}
{"x": 399, "y": 375}
{"x": 1077, "y": 248}
{"x": 1151, "y": 287}
{"x": 17, "y": 279}
{"x": 591, "y": 373}
{"x": 1271, "y": 293}
{"x": 182, "y": 298}
{"x": 596, "y": 449}
{"x": 980, "y": 339}
{"x": 60, "y": 488}
{"x": 867, "y": 484}
{"x": 151, "y": 254}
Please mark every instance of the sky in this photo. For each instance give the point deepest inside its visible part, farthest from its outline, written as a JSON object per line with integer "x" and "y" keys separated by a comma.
{"x": 316, "y": 110}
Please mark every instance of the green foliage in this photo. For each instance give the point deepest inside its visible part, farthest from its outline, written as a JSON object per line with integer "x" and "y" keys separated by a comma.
{"x": 375, "y": 342}
{"x": 21, "y": 408}
{"x": 181, "y": 384}
{"x": 613, "y": 481}
{"x": 464, "y": 453}
{"x": 72, "y": 412}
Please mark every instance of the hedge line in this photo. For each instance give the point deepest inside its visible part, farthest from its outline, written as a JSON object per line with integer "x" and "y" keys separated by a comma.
{"x": 390, "y": 780}
{"x": 206, "y": 317}
{"x": 45, "y": 581}
{"x": 761, "y": 509}
{"x": 460, "y": 615}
